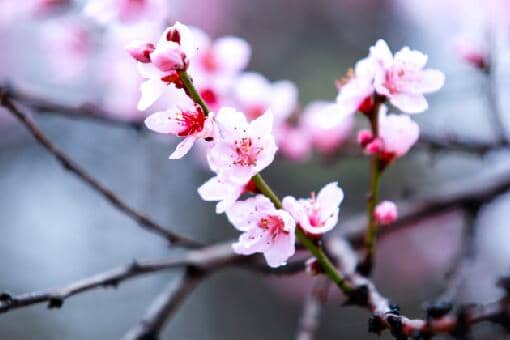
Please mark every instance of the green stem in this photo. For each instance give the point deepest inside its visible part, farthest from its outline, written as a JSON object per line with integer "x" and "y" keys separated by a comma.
{"x": 266, "y": 190}
{"x": 375, "y": 180}
{"x": 192, "y": 91}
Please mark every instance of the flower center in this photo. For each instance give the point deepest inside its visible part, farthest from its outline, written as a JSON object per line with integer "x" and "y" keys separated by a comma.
{"x": 209, "y": 62}
{"x": 210, "y": 96}
{"x": 314, "y": 215}
{"x": 246, "y": 152}
{"x": 192, "y": 122}
{"x": 273, "y": 224}
{"x": 255, "y": 111}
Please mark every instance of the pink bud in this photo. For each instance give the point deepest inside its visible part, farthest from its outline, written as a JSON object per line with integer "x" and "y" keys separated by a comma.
{"x": 168, "y": 57}
{"x": 140, "y": 51}
{"x": 386, "y": 212}
{"x": 365, "y": 137}
{"x": 375, "y": 146}
{"x": 367, "y": 105}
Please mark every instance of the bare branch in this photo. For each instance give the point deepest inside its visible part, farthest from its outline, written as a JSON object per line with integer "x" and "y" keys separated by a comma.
{"x": 312, "y": 309}
{"x": 386, "y": 315}
{"x": 70, "y": 165}
{"x": 206, "y": 259}
{"x": 164, "y": 306}
{"x": 455, "y": 143}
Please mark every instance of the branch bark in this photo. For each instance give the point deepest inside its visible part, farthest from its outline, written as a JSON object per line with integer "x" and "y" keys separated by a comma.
{"x": 70, "y": 165}
{"x": 310, "y": 317}
{"x": 164, "y": 306}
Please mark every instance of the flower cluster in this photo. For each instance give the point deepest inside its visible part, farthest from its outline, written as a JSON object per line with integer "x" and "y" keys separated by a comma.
{"x": 238, "y": 115}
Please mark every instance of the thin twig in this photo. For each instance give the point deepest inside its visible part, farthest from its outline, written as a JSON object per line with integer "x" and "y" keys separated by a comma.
{"x": 164, "y": 306}
{"x": 70, "y": 165}
{"x": 312, "y": 306}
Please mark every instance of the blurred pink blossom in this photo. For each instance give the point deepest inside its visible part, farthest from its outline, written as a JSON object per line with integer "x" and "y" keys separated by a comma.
{"x": 254, "y": 95}
{"x": 356, "y": 94}
{"x": 69, "y": 46}
{"x": 241, "y": 149}
{"x": 316, "y": 215}
{"x": 294, "y": 142}
{"x": 328, "y": 124}
{"x": 472, "y": 52}
{"x": 265, "y": 230}
{"x": 126, "y": 11}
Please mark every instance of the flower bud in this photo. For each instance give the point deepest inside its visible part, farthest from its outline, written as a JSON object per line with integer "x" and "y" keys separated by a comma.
{"x": 386, "y": 212}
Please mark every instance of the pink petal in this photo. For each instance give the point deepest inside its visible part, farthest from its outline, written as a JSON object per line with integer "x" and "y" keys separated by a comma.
{"x": 409, "y": 103}
{"x": 163, "y": 122}
{"x": 232, "y": 53}
{"x": 151, "y": 90}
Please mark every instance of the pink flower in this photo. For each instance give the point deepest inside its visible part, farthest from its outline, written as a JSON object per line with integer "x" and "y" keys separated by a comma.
{"x": 356, "y": 94}
{"x": 316, "y": 215}
{"x": 397, "y": 134}
{"x": 294, "y": 142}
{"x": 386, "y": 212}
{"x": 265, "y": 230}
{"x": 141, "y": 51}
{"x": 254, "y": 95}
{"x": 171, "y": 53}
{"x": 472, "y": 53}
{"x": 225, "y": 192}
{"x": 402, "y": 78}
{"x": 191, "y": 125}
{"x": 328, "y": 124}
{"x": 126, "y": 11}
{"x": 241, "y": 149}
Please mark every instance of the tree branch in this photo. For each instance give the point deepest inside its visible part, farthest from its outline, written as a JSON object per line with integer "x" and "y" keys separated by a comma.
{"x": 310, "y": 316}
{"x": 164, "y": 306}
{"x": 70, "y": 165}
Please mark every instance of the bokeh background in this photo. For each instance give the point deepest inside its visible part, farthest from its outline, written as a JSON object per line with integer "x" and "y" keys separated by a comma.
{"x": 56, "y": 230}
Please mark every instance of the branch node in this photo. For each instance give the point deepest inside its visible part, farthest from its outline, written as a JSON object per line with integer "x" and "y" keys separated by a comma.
{"x": 375, "y": 324}
{"x": 438, "y": 310}
{"x": 358, "y": 296}
{"x": 396, "y": 327}
{"x": 55, "y": 302}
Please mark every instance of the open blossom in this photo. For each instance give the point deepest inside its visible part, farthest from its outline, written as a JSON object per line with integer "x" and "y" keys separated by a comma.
{"x": 224, "y": 192}
{"x": 356, "y": 91}
{"x": 254, "y": 95}
{"x": 241, "y": 149}
{"x": 328, "y": 124}
{"x": 125, "y": 11}
{"x": 402, "y": 78}
{"x": 318, "y": 214}
{"x": 397, "y": 134}
{"x": 265, "y": 230}
{"x": 386, "y": 212}
{"x": 191, "y": 125}
{"x": 159, "y": 63}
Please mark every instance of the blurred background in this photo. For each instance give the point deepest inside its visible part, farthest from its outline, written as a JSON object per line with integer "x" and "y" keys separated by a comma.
{"x": 56, "y": 230}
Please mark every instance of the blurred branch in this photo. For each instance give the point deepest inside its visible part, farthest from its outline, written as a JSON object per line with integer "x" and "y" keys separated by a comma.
{"x": 454, "y": 143}
{"x": 465, "y": 195}
{"x": 81, "y": 112}
{"x": 164, "y": 306}
{"x": 70, "y": 165}
{"x": 312, "y": 309}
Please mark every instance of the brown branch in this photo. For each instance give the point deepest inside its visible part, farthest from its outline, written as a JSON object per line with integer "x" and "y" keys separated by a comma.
{"x": 312, "y": 309}
{"x": 205, "y": 259}
{"x": 455, "y": 143}
{"x": 164, "y": 306}
{"x": 70, "y": 165}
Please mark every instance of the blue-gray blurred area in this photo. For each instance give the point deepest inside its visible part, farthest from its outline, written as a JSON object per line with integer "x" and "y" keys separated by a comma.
{"x": 56, "y": 230}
